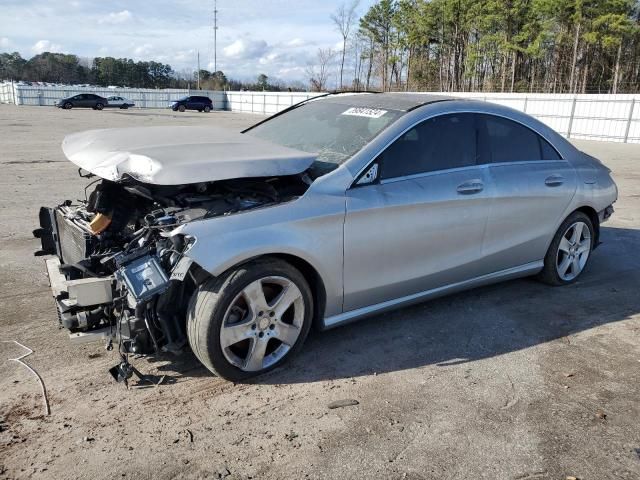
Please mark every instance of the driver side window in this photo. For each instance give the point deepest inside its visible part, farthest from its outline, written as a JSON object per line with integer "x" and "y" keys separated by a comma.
{"x": 439, "y": 143}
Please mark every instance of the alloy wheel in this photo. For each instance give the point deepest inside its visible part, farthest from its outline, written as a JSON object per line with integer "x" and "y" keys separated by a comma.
{"x": 262, "y": 323}
{"x": 573, "y": 251}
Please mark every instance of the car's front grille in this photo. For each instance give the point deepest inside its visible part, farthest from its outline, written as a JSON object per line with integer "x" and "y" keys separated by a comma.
{"x": 75, "y": 243}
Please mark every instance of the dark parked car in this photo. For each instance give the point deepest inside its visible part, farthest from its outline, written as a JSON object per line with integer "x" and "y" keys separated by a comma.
{"x": 193, "y": 102}
{"x": 83, "y": 100}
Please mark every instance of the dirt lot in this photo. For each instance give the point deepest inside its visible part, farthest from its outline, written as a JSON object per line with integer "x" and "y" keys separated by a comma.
{"x": 514, "y": 381}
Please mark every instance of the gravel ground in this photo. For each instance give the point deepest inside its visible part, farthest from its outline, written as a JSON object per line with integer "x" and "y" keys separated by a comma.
{"x": 513, "y": 381}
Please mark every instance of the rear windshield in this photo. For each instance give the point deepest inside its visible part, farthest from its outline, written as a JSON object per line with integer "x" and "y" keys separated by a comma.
{"x": 335, "y": 132}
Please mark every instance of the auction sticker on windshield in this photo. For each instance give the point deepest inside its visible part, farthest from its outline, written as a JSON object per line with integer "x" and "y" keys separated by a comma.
{"x": 364, "y": 112}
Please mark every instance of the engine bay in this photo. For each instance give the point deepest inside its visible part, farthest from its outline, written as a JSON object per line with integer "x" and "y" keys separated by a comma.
{"x": 119, "y": 275}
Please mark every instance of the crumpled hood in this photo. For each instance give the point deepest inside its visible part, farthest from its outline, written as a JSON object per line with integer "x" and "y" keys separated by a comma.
{"x": 180, "y": 155}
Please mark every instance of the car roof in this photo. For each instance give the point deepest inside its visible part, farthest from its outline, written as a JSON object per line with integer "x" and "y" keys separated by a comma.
{"x": 389, "y": 101}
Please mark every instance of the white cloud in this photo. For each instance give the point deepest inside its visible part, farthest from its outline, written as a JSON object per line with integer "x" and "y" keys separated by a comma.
{"x": 296, "y": 42}
{"x": 245, "y": 49}
{"x": 4, "y": 42}
{"x": 46, "y": 46}
{"x": 143, "y": 50}
{"x": 115, "y": 18}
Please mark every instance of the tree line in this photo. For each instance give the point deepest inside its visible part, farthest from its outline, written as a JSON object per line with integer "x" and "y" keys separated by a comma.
{"x": 124, "y": 72}
{"x": 557, "y": 46}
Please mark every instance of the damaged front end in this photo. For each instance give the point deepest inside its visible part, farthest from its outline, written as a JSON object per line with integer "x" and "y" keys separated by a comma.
{"x": 119, "y": 272}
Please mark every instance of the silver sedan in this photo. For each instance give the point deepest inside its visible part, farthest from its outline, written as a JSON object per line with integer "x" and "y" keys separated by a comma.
{"x": 338, "y": 208}
{"x": 416, "y": 197}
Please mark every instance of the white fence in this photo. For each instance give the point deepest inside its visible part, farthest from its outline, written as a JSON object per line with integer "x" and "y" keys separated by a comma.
{"x": 613, "y": 118}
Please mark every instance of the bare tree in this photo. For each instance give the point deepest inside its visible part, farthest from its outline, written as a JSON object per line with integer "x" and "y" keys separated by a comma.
{"x": 319, "y": 73}
{"x": 344, "y": 18}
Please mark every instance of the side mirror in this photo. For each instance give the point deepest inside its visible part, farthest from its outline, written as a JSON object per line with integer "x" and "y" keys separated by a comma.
{"x": 370, "y": 176}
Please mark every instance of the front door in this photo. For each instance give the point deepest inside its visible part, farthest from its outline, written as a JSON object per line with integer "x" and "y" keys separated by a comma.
{"x": 420, "y": 226}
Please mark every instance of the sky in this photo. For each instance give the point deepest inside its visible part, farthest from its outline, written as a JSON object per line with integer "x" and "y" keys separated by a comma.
{"x": 276, "y": 37}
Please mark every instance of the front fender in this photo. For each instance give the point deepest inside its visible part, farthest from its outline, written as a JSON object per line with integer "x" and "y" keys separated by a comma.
{"x": 310, "y": 228}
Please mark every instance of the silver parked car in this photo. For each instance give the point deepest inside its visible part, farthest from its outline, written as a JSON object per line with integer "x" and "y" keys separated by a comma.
{"x": 338, "y": 208}
{"x": 117, "y": 101}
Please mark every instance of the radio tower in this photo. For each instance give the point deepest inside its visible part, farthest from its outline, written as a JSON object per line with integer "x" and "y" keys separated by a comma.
{"x": 215, "y": 35}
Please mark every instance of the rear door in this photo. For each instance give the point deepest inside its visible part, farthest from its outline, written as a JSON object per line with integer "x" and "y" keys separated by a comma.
{"x": 533, "y": 187}
{"x": 420, "y": 225}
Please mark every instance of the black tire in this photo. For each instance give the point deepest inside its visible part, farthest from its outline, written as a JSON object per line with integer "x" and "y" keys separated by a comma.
{"x": 210, "y": 302}
{"x": 124, "y": 107}
{"x": 199, "y": 110}
{"x": 207, "y": 109}
{"x": 68, "y": 106}
{"x": 181, "y": 108}
{"x": 549, "y": 273}
{"x": 99, "y": 106}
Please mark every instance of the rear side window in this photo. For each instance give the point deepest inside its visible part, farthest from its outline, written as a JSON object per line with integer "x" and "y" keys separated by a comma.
{"x": 502, "y": 140}
{"x": 440, "y": 143}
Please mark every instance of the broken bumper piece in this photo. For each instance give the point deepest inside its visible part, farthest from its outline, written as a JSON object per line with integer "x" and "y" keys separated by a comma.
{"x": 80, "y": 303}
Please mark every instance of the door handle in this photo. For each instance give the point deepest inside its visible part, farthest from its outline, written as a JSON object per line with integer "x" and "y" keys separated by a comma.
{"x": 554, "y": 181}
{"x": 469, "y": 188}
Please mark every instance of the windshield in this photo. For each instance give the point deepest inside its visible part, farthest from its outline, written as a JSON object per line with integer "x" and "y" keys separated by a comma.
{"x": 335, "y": 132}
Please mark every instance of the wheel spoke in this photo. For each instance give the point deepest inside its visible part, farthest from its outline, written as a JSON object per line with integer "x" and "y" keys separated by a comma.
{"x": 576, "y": 235}
{"x": 565, "y": 245}
{"x": 564, "y": 266}
{"x": 289, "y": 295}
{"x": 584, "y": 246}
{"x": 233, "y": 334}
{"x": 575, "y": 269}
{"x": 254, "y": 294}
{"x": 287, "y": 334}
{"x": 255, "y": 357}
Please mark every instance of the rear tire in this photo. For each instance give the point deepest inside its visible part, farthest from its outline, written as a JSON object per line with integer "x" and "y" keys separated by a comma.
{"x": 237, "y": 332}
{"x": 569, "y": 252}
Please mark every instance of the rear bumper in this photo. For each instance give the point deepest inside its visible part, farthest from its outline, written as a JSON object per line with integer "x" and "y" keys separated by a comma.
{"x": 605, "y": 214}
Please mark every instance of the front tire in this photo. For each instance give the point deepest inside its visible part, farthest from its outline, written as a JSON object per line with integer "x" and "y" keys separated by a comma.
{"x": 569, "y": 251}
{"x": 68, "y": 106}
{"x": 251, "y": 319}
{"x": 207, "y": 109}
{"x": 99, "y": 106}
{"x": 181, "y": 108}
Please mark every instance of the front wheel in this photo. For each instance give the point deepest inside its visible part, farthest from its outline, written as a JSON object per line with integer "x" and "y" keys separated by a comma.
{"x": 250, "y": 320}
{"x": 124, "y": 107}
{"x": 569, "y": 251}
{"x": 68, "y": 106}
{"x": 207, "y": 109}
{"x": 181, "y": 108}
{"x": 99, "y": 106}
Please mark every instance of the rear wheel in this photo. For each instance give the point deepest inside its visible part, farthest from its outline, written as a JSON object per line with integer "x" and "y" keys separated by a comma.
{"x": 251, "y": 319}
{"x": 569, "y": 251}
{"x": 181, "y": 108}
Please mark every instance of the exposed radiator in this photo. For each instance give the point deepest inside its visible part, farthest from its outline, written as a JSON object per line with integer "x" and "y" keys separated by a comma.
{"x": 75, "y": 243}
